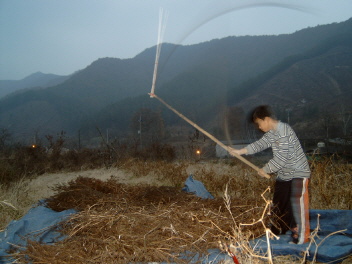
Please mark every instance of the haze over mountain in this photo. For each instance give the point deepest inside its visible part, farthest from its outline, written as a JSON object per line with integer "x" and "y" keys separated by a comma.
{"x": 300, "y": 74}
{"x": 35, "y": 80}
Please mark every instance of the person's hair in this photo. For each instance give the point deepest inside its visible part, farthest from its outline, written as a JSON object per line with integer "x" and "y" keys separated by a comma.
{"x": 261, "y": 112}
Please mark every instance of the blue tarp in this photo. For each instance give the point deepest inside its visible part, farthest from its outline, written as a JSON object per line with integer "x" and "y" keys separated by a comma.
{"x": 197, "y": 188}
{"x": 39, "y": 224}
{"x": 331, "y": 249}
{"x": 328, "y": 248}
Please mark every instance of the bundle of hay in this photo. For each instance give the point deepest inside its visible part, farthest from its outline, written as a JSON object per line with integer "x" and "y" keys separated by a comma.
{"x": 118, "y": 223}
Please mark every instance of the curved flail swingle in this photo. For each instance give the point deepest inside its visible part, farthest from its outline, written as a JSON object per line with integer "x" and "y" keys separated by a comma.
{"x": 161, "y": 30}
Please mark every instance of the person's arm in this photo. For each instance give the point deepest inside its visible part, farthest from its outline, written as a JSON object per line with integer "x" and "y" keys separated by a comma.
{"x": 243, "y": 151}
{"x": 252, "y": 148}
{"x": 282, "y": 152}
{"x": 259, "y": 145}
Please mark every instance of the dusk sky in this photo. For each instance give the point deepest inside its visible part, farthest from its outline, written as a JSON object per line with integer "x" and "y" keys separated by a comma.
{"x": 63, "y": 36}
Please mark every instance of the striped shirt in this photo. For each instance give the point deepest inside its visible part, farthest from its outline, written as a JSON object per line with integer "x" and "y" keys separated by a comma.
{"x": 289, "y": 160}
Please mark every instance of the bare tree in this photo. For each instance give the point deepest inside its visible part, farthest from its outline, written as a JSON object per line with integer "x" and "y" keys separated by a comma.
{"x": 326, "y": 123}
{"x": 4, "y": 137}
{"x": 345, "y": 118}
{"x": 148, "y": 125}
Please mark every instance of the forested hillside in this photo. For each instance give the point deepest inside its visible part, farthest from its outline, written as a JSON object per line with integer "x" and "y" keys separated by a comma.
{"x": 205, "y": 82}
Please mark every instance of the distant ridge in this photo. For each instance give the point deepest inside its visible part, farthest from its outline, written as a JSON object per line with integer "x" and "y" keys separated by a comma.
{"x": 302, "y": 71}
{"x": 34, "y": 80}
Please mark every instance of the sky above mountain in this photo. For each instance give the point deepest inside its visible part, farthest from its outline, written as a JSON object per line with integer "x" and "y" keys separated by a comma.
{"x": 63, "y": 36}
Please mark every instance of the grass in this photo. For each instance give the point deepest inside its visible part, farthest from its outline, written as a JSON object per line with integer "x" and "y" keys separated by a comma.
{"x": 240, "y": 193}
{"x": 330, "y": 183}
{"x": 14, "y": 202}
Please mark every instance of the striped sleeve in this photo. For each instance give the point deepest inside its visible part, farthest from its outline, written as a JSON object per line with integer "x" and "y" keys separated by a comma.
{"x": 288, "y": 156}
{"x": 281, "y": 155}
{"x": 259, "y": 145}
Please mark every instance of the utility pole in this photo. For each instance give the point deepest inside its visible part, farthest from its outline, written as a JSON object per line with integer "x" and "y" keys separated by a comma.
{"x": 140, "y": 129}
{"x": 79, "y": 139}
{"x": 288, "y": 110}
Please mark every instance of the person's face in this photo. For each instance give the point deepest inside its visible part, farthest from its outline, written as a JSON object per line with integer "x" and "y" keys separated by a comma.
{"x": 263, "y": 124}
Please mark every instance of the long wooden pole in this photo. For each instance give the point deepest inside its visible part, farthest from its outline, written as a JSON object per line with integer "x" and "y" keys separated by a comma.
{"x": 207, "y": 134}
{"x": 162, "y": 25}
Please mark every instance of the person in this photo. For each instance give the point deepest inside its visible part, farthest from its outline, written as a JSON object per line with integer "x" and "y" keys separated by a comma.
{"x": 290, "y": 199}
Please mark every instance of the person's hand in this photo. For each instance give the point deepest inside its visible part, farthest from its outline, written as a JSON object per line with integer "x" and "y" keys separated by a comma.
{"x": 234, "y": 152}
{"x": 262, "y": 173}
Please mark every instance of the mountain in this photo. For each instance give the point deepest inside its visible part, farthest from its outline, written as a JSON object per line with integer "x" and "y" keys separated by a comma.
{"x": 200, "y": 80}
{"x": 310, "y": 92}
{"x": 309, "y": 87}
{"x": 35, "y": 80}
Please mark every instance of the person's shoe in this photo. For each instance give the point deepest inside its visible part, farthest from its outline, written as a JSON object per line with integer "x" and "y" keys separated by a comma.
{"x": 294, "y": 241}
{"x": 294, "y": 236}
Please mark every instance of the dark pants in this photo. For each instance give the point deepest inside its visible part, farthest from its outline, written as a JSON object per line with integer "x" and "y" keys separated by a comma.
{"x": 283, "y": 219}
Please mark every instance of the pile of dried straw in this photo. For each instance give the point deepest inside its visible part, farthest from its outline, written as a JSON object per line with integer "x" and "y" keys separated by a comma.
{"x": 119, "y": 223}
